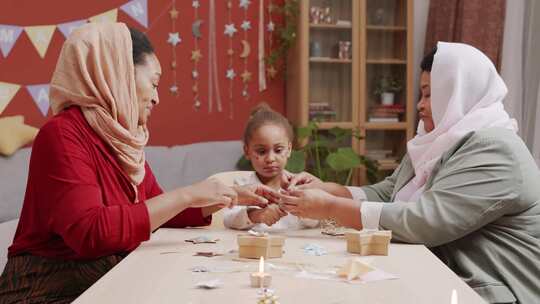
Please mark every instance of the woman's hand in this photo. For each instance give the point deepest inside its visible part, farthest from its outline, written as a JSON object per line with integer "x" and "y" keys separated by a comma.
{"x": 290, "y": 181}
{"x": 269, "y": 215}
{"x": 210, "y": 192}
{"x": 256, "y": 195}
{"x": 308, "y": 203}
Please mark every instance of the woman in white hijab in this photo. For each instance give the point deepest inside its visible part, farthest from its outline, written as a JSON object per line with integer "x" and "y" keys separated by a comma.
{"x": 467, "y": 187}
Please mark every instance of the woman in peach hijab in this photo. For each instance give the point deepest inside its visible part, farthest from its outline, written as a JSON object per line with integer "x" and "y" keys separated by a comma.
{"x": 91, "y": 197}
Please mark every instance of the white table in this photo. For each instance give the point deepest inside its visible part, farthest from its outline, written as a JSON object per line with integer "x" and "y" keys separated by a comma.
{"x": 148, "y": 275}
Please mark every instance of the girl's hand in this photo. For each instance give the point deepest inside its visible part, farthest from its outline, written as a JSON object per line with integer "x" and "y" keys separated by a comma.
{"x": 308, "y": 203}
{"x": 291, "y": 181}
{"x": 256, "y": 195}
{"x": 269, "y": 215}
{"x": 210, "y": 192}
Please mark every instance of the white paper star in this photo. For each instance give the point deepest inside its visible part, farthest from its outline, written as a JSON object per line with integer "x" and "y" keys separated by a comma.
{"x": 231, "y": 74}
{"x": 230, "y": 29}
{"x": 246, "y": 25}
{"x": 195, "y": 74}
{"x": 271, "y": 26}
{"x": 196, "y": 4}
{"x": 174, "y": 38}
{"x": 174, "y": 89}
{"x": 244, "y": 4}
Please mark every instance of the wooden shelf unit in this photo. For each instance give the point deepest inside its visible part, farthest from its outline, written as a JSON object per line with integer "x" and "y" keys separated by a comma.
{"x": 381, "y": 46}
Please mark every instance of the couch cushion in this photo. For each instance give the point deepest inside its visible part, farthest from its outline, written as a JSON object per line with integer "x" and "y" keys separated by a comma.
{"x": 13, "y": 176}
{"x": 184, "y": 165}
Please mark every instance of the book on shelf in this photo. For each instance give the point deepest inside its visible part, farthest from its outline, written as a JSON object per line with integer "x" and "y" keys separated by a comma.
{"x": 321, "y": 111}
{"x": 383, "y": 119}
{"x": 386, "y": 113}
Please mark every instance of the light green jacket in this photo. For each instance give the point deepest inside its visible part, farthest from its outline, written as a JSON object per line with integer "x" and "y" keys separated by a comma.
{"x": 480, "y": 214}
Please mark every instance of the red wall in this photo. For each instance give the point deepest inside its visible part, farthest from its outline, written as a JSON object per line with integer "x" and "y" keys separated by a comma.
{"x": 174, "y": 121}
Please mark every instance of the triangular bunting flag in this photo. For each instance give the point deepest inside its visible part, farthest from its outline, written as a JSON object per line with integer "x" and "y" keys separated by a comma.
{"x": 7, "y": 91}
{"x": 40, "y": 36}
{"x": 8, "y": 36}
{"x": 109, "y": 16}
{"x": 68, "y": 27}
{"x": 138, "y": 10}
{"x": 40, "y": 94}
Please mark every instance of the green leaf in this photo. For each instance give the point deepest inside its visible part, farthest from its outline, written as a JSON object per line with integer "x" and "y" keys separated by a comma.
{"x": 343, "y": 159}
{"x": 244, "y": 164}
{"x": 297, "y": 162}
{"x": 303, "y": 132}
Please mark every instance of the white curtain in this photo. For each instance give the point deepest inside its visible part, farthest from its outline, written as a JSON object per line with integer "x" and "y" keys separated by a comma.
{"x": 521, "y": 69}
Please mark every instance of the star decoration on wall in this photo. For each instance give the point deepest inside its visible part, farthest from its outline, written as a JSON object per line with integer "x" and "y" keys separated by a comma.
{"x": 196, "y": 55}
{"x": 174, "y": 89}
{"x": 231, "y": 74}
{"x": 230, "y": 52}
{"x": 245, "y": 93}
{"x": 246, "y": 76}
{"x": 271, "y": 26}
{"x": 195, "y": 88}
{"x": 271, "y": 71}
{"x": 173, "y": 13}
{"x": 195, "y": 74}
{"x": 246, "y": 25}
{"x": 173, "y": 64}
{"x": 230, "y": 30}
{"x": 245, "y": 4}
{"x": 174, "y": 38}
{"x": 195, "y": 4}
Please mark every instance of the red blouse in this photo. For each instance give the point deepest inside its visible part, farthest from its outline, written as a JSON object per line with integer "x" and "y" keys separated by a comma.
{"x": 78, "y": 202}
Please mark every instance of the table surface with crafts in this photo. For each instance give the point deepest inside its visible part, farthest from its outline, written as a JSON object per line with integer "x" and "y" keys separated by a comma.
{"x": 166, "y": 269}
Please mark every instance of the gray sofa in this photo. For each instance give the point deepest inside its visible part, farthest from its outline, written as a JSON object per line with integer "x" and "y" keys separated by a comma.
{"x": 173, "y": 167}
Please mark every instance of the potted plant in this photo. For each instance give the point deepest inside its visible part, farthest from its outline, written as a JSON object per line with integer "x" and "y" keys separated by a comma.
{"x": 386, "y": 88}
{"x": 325, "y": 156}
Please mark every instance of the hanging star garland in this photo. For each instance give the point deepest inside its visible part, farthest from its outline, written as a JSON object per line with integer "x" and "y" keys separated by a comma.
{"x": 174, "y": 40}
{"x": 246, "y": 49}
{"x": 196, "y": 55}
{"x": 230, "y": 31}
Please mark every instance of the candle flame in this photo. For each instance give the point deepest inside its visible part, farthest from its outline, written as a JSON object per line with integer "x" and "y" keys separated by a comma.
{"x": 261, "y": 265}
{"x": 454, "y": 298}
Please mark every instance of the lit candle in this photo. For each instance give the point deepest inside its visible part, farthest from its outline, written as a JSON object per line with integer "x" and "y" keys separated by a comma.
{"x": 454, "y": 299}
{"x": 260, "y": 279}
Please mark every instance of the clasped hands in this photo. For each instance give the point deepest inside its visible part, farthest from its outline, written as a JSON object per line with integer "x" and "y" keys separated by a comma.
{"x": 301, "y": 195}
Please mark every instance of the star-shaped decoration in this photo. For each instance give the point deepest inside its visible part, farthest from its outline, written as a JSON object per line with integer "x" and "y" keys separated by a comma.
{"x": 246, "y": 25}
{"x": 245, "y": 93}
{"x": 197, "y": 104}
{"x": 230, "y": 30}
{"x": 173, "y": 13}
{"x": 229, "y": 4}
{"x": 245, "y": 4}
{"x": 246, "y": 76}
{"x": 231, "y": 74}
{"x": 230, "y": 52}
{"x": 196, "y": 55}
{"x": 173, "y": 64}
{"x": 271, "y": 26}
{"x": 174, "y": 89}
{"x": 195, "y": 88}
{"x": 195, "y": 74}
{"x": 195, "y": 4}
{"x": 174, "y": 38}
{"x": 271, "y": 71}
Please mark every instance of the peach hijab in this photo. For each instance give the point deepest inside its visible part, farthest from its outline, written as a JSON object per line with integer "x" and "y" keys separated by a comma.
{"x": 96, "y": 72}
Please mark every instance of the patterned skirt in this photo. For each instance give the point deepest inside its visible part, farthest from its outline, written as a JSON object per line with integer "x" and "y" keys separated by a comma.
{"x": 33, "y": 279}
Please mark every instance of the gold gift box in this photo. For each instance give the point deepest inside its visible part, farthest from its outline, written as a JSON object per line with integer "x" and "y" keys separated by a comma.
{"x": 368, "y": 242}
{"x": 253, "y": 247}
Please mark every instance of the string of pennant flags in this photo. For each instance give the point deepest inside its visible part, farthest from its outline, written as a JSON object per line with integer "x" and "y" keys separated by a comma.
{"x": 41, "y": 35}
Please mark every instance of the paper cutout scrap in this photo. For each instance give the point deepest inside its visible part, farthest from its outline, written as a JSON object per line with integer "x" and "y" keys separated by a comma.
{"x": 208, "y": 254}
{"x": 202, "y": 239}
{"x": 354, "y": 268}
{"x": 314, "y": 249}
{"x": 212, "y": 284}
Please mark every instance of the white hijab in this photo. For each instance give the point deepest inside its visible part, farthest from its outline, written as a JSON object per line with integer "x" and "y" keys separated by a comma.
{"x": 466, "y": 95}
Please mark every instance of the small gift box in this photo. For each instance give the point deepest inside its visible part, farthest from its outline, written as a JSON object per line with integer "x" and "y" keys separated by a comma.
{"x": 254, "y": 247}
{"x": 367, "y": 242}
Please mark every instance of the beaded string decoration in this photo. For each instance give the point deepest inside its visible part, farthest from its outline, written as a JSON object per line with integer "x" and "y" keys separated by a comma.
{"x": 270, "y": 27}
{"x": 174, "y": 40}
{"x": 260, "y": 54}
{"x": 196, "y": 54}
{"x": 213, "y": 73}
{"x": 246, "y": 48}
{"x": 230, "y": 30}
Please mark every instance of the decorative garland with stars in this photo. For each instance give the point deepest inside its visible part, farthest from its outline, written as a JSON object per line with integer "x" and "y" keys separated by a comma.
{"x": 271, "y": 27}
{"x": 196, "y": 54}
{"x": 246, "y": 48}
{"x": 174, "y": 40}
{"x": 230, "y": 30}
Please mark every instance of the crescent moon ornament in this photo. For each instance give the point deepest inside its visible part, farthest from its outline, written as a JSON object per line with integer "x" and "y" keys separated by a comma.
{"x": 196, "y": 28}
{"x": 246, "y": 49}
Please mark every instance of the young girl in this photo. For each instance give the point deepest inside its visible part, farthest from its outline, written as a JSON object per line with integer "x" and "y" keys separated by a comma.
{"x": 267, "y": 144}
